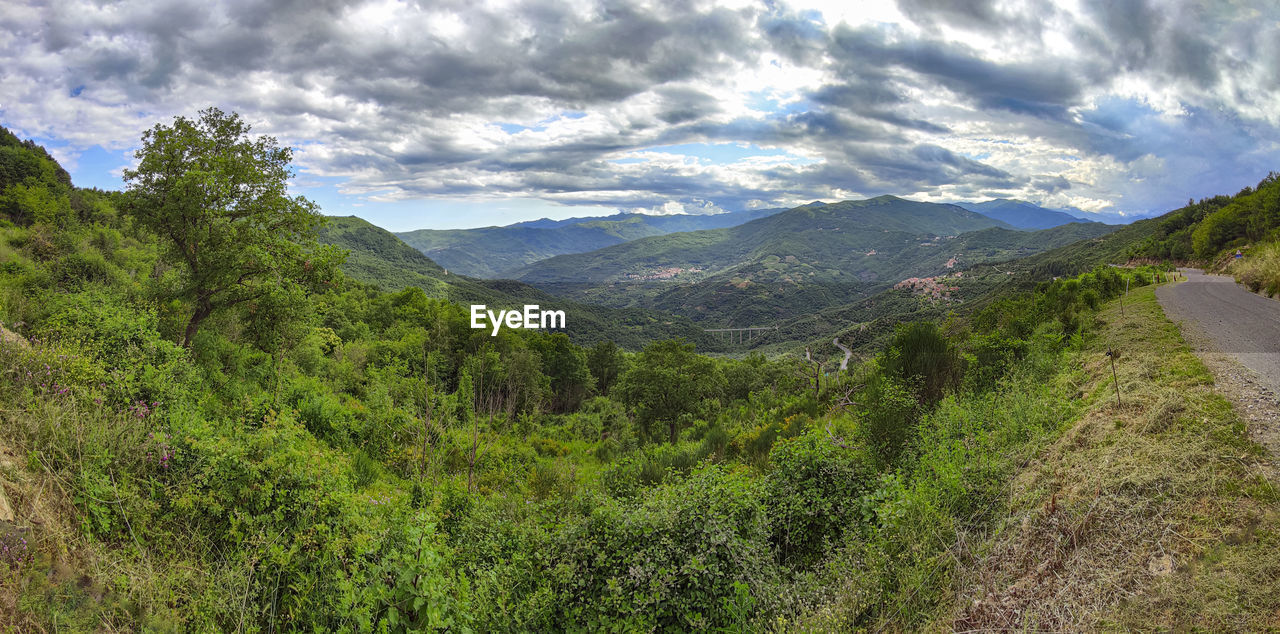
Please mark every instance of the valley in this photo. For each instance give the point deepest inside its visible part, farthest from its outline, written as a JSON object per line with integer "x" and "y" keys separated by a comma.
{"x": 780, "y": 317}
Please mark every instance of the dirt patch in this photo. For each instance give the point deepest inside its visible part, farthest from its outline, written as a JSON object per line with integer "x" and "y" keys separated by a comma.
{"x": 12, "y": 338}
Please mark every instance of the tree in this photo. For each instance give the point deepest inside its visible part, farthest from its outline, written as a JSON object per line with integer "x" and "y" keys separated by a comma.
{"x": 606, "y": 363}
{"x": 668, "y": 383}
{"x": 920, "y": 354}
{"x": 218, "y": 198}
{"x": 566, "y": 365}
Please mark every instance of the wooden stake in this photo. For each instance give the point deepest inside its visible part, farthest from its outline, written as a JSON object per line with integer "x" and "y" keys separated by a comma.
{"x": 1114, "y": 380}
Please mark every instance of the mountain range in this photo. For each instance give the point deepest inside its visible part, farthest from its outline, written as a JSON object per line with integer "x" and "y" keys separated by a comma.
{"x": 793, "y": 262}
{"x": 687, "y": 272}
{"x": 1022, "y": 214}
{"x": 495, "y": 251}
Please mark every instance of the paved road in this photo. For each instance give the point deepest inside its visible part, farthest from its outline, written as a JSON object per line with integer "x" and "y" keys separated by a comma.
{"x": 1224, "y": 317}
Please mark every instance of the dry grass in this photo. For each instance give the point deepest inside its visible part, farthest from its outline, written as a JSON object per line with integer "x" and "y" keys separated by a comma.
{"x": 1147, "y": 514}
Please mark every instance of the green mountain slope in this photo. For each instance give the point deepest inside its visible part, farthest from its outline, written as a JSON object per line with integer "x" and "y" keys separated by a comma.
{"x": 865, "y": 324}
{"x": 493, "y": 251}
{"x": 795, "y": 263}
{"x": 1203, "y": 230}
{"x": 776, "y": 291}
{"x": 814, "y": 233}
{"x": 378, "y": 257}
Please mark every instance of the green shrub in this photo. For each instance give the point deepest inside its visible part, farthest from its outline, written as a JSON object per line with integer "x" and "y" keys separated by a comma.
{"x": 678, "y": 560}
{"x": 813, "y": 493}
{"x": 84, "y": 267}
{"x": 422, "y": 592}
{"x": 1259, "y": 270}
{"x": 921, "y": 355}
{"x": 548, "y": 448}
{"x": 888, "y": 419}
{"x": 364, "y": 469}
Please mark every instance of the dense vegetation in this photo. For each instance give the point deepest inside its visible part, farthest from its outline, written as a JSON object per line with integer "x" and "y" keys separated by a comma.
{"x": 1260, "y": 271}
{"x": 1211, "y": 231}
{"x": 1203, "y": 230}
{"x": 351, "y": 458}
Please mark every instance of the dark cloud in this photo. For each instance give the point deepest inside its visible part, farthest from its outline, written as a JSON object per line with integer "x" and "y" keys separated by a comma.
{"x": 681, "y": 105}
{"x": 1036, "y": 89}
{"x": 1130, "y": 29}
{"x": 800, "y": 39}
{"x": 1180, "y": 41}
{"x": 975, "y": 15}
{"x": 1050, "y": 184}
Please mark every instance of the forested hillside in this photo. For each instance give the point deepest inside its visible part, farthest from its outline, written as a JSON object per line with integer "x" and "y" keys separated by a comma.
{"x": 865, "y": 324}
{"x": 321, "y": 454}
{"x": 375, "y": 256}
{"x": 497, "y": 251}
{"x": 1211, "y": 230}
{"x": 811, "y": 231}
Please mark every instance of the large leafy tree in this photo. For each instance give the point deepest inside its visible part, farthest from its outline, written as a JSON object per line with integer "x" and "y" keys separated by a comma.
{"x": 218, "y": 196}
{"x": 669, "y": 383}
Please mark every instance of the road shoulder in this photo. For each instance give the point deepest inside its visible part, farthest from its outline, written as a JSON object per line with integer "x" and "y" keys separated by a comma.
{"x": 1254, "y": 403}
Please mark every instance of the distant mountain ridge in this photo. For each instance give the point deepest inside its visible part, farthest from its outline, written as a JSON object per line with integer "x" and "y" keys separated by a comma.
{"x": 1029, "y": 215}
{"x": 1022, "y": 214}
{"x": 1108, "y": 218}
{"x": 821, "y": 233}
{"x": 492, "y": 252}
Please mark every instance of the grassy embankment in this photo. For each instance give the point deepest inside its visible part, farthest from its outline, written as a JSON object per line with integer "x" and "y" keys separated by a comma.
{"x": 1259, "y": 271}
{"x": 1151, "y": 513}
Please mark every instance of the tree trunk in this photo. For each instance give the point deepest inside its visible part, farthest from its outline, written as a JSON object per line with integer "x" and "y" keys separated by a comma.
{"x": 471, "y": 462}
{"x": 202, "y": 311}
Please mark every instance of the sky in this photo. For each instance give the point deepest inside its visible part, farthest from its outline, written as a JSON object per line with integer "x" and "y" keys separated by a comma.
{"x": 452, "y": 114}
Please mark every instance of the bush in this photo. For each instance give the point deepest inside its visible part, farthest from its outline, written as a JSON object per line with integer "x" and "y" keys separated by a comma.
{"x": 991, "y": 355}
{"x": 812, "y": 493}
{"x": 921, "y": 355}
{"x": 84, "y": 267}
{"x": 1259, "y": 270}
{"x": 272, "y": 496}
{"x": 887, "y": 420}
{"x": 422, "y": 592}
{"x": 694, "y": 555}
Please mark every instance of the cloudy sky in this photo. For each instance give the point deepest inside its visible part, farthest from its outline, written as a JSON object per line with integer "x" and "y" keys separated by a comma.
{"x": 476, "y": 112}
